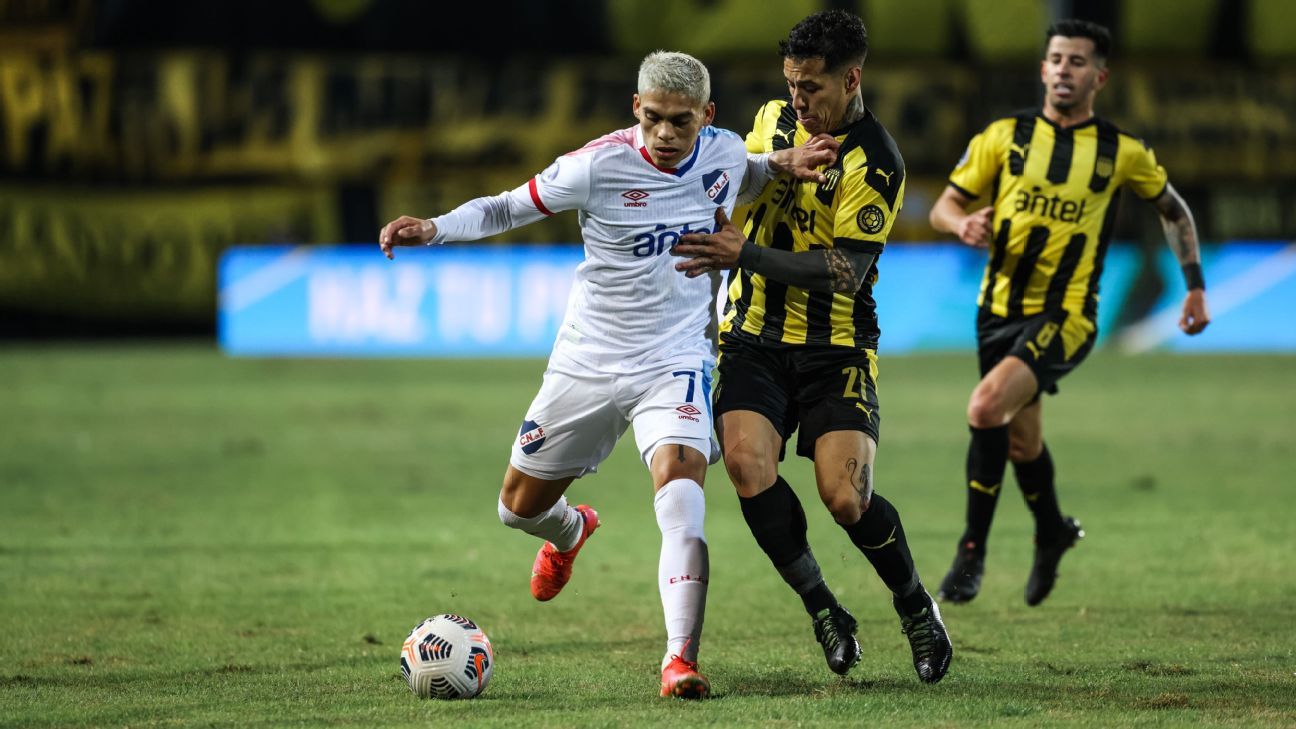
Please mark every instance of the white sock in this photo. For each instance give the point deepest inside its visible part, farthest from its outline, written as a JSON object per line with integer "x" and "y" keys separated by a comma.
{"x": 685, "y": 568}
{"x": 561, "y": 524}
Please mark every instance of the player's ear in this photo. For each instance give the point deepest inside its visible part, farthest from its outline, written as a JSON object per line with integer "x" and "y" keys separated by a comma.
{"x": 853, "y": 75}
{"x": 1103, "y": 73}
{"x": 634, "y": 107}
{"x": 708, "y": 114}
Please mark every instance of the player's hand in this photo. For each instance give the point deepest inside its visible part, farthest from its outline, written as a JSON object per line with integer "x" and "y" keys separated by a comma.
{"x": 803, "y": 160}
{"x": 1195, "y": 316}
{"x": 405, "y": 231}
{"x": 974, "y": 230}
{"x": 710, "y": 251}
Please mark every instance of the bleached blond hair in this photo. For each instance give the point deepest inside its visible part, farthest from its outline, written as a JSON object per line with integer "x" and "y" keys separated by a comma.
{"x": 675, "y": 72}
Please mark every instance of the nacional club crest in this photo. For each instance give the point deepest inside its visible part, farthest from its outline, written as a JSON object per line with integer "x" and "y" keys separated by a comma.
{"x": 531, "y": 436}
{"x": 716, "y": 184}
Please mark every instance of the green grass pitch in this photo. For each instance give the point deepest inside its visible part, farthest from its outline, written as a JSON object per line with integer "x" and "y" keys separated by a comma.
{"x": 188, "y": 540}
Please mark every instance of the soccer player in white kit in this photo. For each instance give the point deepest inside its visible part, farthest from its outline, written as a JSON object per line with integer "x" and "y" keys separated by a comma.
{"x": 633, "y": 346}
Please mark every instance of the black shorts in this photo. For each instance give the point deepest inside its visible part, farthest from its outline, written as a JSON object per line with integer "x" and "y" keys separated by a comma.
{"x": 817, "y": 388}
{"x": 1051, "y": 344}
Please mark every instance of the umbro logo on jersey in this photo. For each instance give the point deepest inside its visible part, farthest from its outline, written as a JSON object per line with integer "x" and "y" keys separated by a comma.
{"x": 689, "y": 412}
{"x": 636, "y": 198}
{"x": 716, "y": 184}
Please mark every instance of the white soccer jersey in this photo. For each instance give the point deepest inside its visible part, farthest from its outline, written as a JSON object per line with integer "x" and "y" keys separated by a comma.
{"x": 628, "y": 305}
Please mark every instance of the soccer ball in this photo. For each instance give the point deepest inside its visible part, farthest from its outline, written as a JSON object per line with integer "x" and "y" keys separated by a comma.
{"x": 447, "y": 657}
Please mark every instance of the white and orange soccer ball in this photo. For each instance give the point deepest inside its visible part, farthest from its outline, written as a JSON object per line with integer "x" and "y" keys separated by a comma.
{"x": 447, "y": 657}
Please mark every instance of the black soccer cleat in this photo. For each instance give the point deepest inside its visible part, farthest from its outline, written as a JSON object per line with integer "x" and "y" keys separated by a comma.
{"x": 834, "y": 628}
{"x": 928, "y": 640}
{"x": 963, "y": 581}
{"x": 1043, "y": 572}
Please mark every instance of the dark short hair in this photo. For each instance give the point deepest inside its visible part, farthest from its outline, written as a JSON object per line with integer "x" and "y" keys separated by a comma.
{"x": 1100, "y": 36}
{"x": 836, "y": 36}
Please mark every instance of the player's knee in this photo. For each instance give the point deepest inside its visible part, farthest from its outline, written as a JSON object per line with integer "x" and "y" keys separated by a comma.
{"x": 749, "y": 471}
{"x": 692, "y": 471}
{"x": 844, "y": 505}
{"x": 507, "y": 516}
{"x": 985, "y": 409}
{"x": 672, "y": 462}
{"x": 1023, "y": 448}
{"x": 513, "y": 498}
{"x": 508, "y": 496}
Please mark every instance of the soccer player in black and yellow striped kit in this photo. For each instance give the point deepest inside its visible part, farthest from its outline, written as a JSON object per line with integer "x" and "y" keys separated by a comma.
{"x": 1050, "y": 180}
{"x": 798, "y": 343}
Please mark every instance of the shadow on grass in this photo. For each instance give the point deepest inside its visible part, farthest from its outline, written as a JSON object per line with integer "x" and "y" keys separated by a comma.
{"x": 790, "y": 682}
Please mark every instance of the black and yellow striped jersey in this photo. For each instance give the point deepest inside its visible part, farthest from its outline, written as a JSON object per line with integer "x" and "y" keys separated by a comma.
{"x": 1055, "y": 193}
{"x": 853, "y": 209}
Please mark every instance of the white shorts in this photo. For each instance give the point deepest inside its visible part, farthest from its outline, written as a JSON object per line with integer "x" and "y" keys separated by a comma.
{"x": 578, "y": 416}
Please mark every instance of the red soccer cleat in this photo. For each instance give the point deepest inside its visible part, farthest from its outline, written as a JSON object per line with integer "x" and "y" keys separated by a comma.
{"x": 680, "y": 678}
{"x": 552, "y": 569}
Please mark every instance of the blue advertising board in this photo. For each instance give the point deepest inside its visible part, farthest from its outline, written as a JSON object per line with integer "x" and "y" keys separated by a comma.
{"x": 494, "y": 300}
{"x": 350, "y": 301}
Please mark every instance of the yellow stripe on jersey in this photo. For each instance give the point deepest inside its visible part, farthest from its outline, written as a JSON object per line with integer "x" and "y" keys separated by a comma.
{"x": 1076, "y": 331}
{"x": 1054, "y": 193}
{"x": 854, "y": 208}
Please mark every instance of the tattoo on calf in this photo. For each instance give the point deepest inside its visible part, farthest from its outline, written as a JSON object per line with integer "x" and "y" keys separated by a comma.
{"x": 861, "y": 479}
{"x": 860, "y": 476}
{"x": 844, "y": 279}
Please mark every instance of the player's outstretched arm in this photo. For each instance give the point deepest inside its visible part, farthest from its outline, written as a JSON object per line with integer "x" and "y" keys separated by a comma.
{"x": 949, "y": 215}
{"x": 405, "y": 231}
{"x": 1181, "y": 234}
{"x": 474, "y": 220}
{"x": 838, "y": 270}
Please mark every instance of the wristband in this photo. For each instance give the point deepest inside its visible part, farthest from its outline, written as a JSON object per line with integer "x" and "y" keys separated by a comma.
{"x": 1192, "y": 273}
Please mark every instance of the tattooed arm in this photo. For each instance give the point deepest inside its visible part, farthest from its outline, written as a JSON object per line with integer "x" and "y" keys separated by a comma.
{"x": 1181, "y": 235}
{"x": 839, "y": 270}
{"x": 1180, "y": 230}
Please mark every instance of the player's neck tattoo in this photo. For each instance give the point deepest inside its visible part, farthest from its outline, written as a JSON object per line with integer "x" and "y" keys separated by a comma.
{"x": 854, "y": 111}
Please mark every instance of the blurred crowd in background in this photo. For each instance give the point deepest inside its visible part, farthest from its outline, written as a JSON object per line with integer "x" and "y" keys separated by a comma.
{"x": 139, "y": 139}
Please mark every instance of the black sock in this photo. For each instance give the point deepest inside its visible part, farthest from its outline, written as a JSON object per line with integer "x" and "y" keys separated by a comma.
{"x": 778, "y": 522}
{"x": 986, "y": 460}
{"x": 880, "y": 536}
{"x": 1036, "y": 482}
